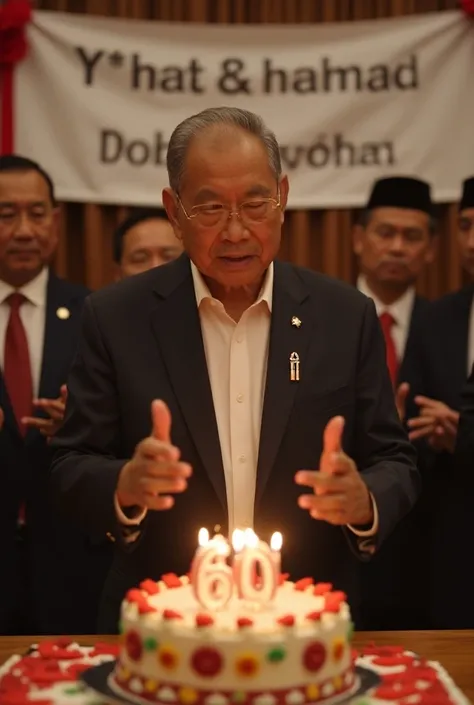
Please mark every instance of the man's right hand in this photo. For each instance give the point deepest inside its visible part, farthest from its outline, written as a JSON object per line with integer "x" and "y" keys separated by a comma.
{"x": 154, "y": 472}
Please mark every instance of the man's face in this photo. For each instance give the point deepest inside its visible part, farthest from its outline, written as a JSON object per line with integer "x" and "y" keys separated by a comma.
{"x": 148, "y": 244}
{"x": 394, "y": 246}
{"x": 229, "y": 168}
{"x": 28, "y": 226}
{"x": 466, "y": 240}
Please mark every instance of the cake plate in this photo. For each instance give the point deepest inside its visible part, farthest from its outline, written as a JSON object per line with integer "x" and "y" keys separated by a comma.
{"x": 97, "y": 678}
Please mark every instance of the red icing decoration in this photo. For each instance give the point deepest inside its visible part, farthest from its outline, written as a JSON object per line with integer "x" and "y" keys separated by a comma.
{"x": 303, "y": 584}
{"x": 145, "y": 608}
{"x": 402, "y": 660}
{"x": 171, "y": 580}
{"x": 133, "y": 645}
{"x": 287, "y": 621}
{"x": 247, "y": 666}
{"x": 244, "y": 622}
{"x": 171, "y": 614}
{"x": 314, "y": 616}
{"x": 334, "y": 601}
{"x": 135, "y": 595}
{"x": 150, "y": 587}
{"x": 207, "y": 661}
{"x": 101, "y": 649}
{"x": 51, "y": 649}
{"x": 75, "y": 669}
{"x": 282, "y": 578}
{"x": 322, "y": 588}
{"x": 204, "y": 620}
{"x": 140, "y": 599}
{"x": 372, "y": 650}
{"x": 314, "y": 656}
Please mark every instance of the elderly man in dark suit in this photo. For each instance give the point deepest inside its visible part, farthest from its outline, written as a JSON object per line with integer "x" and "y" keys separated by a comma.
{"x": 50, "y": 571}
{"x": 229, "y": 388}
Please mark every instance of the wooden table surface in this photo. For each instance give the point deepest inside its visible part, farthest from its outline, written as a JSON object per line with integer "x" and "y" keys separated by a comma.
{"x": 453, "y": 649}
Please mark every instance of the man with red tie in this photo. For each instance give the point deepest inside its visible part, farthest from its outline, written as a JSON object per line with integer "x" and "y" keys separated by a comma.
{"x": 394, "y": 241}
{"x": 43, "y": 559}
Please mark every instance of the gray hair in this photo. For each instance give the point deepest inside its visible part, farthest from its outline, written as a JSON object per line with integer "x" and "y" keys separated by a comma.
{"x": 185, "y": 132}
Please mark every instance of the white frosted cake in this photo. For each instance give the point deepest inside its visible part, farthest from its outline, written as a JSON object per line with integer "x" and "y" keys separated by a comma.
{"x": 296, "y": 649}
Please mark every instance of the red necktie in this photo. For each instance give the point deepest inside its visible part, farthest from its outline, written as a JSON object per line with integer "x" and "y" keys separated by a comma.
{"x": 387, "y": 322}
{"x": 16, "y": 366}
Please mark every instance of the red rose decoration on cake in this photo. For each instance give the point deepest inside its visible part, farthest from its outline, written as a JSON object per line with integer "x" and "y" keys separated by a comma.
{"x": 133, "y": 646}
{"x": 207, "y": 661}
{"x": 314, "y": 656}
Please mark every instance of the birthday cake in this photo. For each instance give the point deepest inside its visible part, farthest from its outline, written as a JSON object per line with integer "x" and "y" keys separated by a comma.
{"x": 235, "y": 632}
{"x": 295, "y": 650}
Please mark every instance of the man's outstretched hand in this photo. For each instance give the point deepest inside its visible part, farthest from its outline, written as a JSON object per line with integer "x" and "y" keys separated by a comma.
{"x": 155, "y": 472}
{"x": 340, "y": 494}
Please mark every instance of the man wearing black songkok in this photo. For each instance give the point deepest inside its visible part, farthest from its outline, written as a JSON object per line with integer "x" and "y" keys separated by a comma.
{"x": 394, "y": 240}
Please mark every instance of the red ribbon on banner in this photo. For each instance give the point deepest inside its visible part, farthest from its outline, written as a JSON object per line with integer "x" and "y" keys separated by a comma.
{"x": 468, "y": 7}
{"x": 14, "y": 16}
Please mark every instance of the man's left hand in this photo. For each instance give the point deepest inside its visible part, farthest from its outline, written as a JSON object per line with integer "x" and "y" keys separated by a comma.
{"x": 340, "y": 494}
{"x": 437, "y": 422}
{"x": 55, "y": 409}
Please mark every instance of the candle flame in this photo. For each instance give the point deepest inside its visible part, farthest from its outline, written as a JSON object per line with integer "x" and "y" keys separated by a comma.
{"x": 250, "y": 538}
{"x": 238, "y": 540}
{"x": 276, "y": 542}
{"x": 203, "y": 536}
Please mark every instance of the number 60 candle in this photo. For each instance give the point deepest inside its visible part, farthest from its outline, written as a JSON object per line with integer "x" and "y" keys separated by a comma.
{"x": 211, "y": 577}
{"x": 256, "y": 566}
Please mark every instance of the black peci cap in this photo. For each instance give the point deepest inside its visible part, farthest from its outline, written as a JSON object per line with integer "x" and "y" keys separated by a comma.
{"x": 401, "y": 192}
{"x": 467, "y": 198}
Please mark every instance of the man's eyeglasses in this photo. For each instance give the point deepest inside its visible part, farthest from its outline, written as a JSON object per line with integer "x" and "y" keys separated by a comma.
{"x": 210, "y": 215}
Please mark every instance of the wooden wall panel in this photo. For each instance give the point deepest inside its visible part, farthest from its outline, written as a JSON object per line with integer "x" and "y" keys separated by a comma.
{"x": 317, "y": 239}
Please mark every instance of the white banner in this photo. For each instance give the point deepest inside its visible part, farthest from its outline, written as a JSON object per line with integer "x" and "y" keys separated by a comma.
{"x": 98, "y": 98}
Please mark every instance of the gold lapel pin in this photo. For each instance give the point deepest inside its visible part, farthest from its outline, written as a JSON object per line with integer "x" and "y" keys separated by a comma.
{"x": 63, "y": 313}
{"x": 295, "y": 321}
{"x": 294, "y": 367}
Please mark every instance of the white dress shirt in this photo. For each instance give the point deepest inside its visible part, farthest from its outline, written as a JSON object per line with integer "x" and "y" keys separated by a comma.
{"x": 236, "y": 357}
{"x": 401, "y": 310}
{"x": 33, "y": 317}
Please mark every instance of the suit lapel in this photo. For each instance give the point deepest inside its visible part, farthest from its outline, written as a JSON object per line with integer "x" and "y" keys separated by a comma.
{"x": 289, "y": 299}
{"x": 177, "y": 328}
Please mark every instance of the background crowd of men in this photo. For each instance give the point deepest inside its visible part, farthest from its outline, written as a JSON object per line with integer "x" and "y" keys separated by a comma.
{"x": 53, "y": 573}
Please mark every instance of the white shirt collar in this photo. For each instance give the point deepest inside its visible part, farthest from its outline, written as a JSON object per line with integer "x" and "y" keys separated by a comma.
{"x": 202, "y": 290}
{"x": 34, "y": 291}
{"x": 401, "y": 309}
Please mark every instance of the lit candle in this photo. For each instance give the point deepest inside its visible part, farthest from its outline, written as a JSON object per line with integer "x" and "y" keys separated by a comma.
{"x": 256, "y": 568}
{"x": 211, "y": 577}
{"x": 276, "y": 542}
